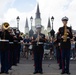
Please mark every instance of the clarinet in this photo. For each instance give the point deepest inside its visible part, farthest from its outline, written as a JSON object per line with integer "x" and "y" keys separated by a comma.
{"x": 38, "y": 39}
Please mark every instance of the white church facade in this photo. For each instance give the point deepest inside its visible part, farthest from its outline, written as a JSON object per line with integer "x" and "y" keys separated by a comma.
{"x": 38, "y": 22}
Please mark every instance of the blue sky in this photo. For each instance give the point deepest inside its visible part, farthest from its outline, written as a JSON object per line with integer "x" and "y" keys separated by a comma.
{"x": 24, "y": 5}
{"x": 10, "y": 9}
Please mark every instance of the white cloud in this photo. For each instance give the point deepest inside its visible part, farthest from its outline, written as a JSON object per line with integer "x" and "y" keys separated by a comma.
{"x": 58, "y": 9}
{"x": 11, "y": 15}
{"x": 3, "y": 5}
{"x": 55, "y": 8}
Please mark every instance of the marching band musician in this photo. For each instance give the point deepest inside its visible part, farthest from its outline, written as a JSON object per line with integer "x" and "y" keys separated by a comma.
{"x": 11, "y": 47}
{"x": 17, "y": 46}
{"x": 38, "y": 50}
{"x": 65, "y": 33}
{"x": 15, "y": 42}
{"x": 4, "y": 42}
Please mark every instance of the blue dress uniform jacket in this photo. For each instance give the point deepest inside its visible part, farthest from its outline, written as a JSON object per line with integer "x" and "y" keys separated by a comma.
{"x": 66, "y": 44}
{"x": 40, "y": 45}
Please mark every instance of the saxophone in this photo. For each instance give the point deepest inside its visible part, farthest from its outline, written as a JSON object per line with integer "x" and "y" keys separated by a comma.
{"x": 65, "y": 34}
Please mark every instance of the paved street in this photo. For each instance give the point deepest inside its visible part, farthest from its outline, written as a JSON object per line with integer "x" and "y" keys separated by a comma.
{"x": 50, "y": 67}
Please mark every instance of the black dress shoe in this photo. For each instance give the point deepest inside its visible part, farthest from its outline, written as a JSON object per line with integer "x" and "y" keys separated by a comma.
{"x": 41, "y": 72}
{"x": 68, "y": 73}
{"x": 62, "y": 72}
{"x": 1, "y": 72}
{"x": 6, "y": 72}
{"x": 35, "y": 72}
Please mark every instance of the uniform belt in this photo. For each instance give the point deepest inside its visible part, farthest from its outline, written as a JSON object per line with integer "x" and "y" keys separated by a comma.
{"x": 10, "y": 42}
{"x": 4, "y": 40}
{"x": 68, "y": 37}
{"x": 40, "y": 43}
{"x": 19, "y": 42}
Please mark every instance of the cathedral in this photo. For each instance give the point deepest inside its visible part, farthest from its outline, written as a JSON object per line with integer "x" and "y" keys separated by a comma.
{"x": 37, "y": 22}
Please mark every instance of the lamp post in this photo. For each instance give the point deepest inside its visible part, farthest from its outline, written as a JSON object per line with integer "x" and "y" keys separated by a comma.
{"x": 31, "y": 19}
{"x": 52, "y": 31}
{"x": 18, "y": 21}
{"x": 52, "y": 19}
{"x": 31, "y": 31}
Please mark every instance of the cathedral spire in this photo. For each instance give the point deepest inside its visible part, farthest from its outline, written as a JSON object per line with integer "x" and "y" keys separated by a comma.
{"x": 38, "y": 12}
{"x": 26, "y": 24}
{"x": 49, "y": 24}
